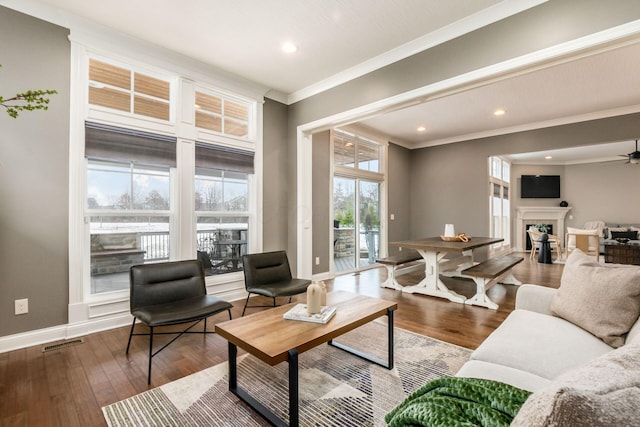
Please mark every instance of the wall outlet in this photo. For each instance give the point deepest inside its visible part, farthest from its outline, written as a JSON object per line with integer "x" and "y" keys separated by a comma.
{"x": 393, "y": 216}
{"x": 317, "y": 260}
{"x": 22, "y": 306}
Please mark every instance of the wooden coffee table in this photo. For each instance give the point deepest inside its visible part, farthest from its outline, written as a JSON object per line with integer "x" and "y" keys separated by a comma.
{"x": 270, "y": 338}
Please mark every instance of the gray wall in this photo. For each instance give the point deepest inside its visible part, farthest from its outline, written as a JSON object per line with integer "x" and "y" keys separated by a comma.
{"x": 34, "y": 168}
{"x": 546, "y": 25}
{"x": 449, "y": 182}
{"x": 322, "y": 220}
{"x": 595, "y": 191}
{"x": 399, "y": 194}
{"x": 276, "y": 165}
{"x": 603, "y": 191}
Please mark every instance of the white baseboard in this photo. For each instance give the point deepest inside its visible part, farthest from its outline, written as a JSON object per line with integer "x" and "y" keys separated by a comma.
{"x": 62, "y": 332}
{"x": 100, "y": 323}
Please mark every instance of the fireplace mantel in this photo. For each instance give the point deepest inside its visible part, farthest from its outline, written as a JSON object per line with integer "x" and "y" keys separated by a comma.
{"x": 538, "y": 214}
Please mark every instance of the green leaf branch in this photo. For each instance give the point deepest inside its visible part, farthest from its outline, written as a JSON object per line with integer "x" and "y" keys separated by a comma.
{"x": 27, "y": 101}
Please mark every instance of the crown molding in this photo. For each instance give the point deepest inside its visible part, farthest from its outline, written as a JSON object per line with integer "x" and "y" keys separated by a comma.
{"x": 533, "y": 126}
{"x": 471, "y": 23}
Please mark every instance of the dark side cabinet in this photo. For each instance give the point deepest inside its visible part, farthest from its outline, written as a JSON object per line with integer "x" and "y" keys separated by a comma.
{"x": 622, "y": 254}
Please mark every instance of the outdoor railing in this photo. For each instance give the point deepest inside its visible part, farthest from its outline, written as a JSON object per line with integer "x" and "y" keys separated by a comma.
{"x": 155, "y": 244}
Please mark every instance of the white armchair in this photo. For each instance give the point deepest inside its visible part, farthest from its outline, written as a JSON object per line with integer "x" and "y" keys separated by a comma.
{"x": 588, "y": 241}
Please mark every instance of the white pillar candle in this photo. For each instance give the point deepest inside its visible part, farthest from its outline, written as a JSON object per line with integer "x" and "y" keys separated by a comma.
{"x": 449, "y": 230}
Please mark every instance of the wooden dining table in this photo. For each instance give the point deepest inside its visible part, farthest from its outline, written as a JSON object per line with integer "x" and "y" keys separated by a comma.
{"x": 434, "y": 250}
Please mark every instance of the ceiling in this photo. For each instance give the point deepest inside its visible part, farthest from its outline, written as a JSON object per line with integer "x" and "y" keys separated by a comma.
{"x": 339, "y": 40}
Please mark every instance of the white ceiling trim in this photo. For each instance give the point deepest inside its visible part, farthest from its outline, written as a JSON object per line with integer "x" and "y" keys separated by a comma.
{"x": 471, "y": 23}
{"x": 570, "y": 163}
{"x": 532, "y": 126}
{"x": 594, "y": 43}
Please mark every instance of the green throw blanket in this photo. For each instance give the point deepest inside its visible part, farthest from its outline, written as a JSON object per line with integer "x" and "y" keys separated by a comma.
{"x": 459, "y": 402}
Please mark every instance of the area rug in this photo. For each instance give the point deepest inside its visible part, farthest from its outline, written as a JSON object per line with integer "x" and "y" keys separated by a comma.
{"x": 336, "y": 388}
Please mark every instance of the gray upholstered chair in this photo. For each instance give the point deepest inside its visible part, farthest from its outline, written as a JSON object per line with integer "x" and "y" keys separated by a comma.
{"x": 170, "y": 293}
{"x": 268, "y": 274}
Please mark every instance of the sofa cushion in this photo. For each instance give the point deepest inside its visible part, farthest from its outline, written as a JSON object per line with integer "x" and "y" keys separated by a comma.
{"x": 611, "y": 229}
{"x": 603, "y": 300}
{"x": 491, "y": 371}
{"x": 543, "y": 345}
{"x": 604, "y": 392}
{"x": 631, "y": 235}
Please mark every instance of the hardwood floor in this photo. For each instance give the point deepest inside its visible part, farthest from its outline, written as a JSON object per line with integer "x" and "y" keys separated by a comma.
{"x": 67, "y": 387}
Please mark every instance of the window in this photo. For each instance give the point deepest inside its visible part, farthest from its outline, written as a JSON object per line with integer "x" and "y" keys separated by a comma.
{"x": 357, "y": 196}
{"x": 128, "y": 202}
{"x": 499, "y": 205}
{"x": 222, "y": 189}
{"x": 354, "y": 151}
{"x": 132, "y": 175}
{"x": 223, "y": 114}
{"x": 129, "y": 91}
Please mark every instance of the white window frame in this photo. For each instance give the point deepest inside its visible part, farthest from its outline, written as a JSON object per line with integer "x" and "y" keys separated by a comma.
{"x": 253, "y": 242}
{"x": 506, "y": 244}
{"x": 88, "y": 311}
{"x": 103, "y": 114}
{"x": 220, "y": 138}
{"x": 355, "y": 173}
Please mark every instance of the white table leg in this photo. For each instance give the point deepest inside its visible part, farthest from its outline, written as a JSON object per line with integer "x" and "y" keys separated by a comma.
{"x": 431, "y": 284}
{"x": 481, "y": 298}
{"x": 391, "y": 278}
{"x": 482, "y": 284}
{"x": 394, "y": 271}
{"x": 509, "y": 279}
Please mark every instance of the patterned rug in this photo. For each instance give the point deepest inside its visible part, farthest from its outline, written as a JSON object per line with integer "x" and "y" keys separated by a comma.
{"x": 336, "y": 388}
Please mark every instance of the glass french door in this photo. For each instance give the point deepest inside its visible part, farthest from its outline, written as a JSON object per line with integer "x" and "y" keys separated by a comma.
{"x": 356, "y": 232}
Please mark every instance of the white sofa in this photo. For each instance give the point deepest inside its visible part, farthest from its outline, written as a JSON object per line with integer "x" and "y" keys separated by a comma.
{"x": 576, "y": 377}
{"x": 532, "y": 347}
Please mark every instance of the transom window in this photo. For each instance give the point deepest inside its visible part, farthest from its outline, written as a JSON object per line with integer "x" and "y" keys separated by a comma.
{"x": 126, "y": 90}
{"x": 223, "y": 114}
{"x": 355, "y": 151}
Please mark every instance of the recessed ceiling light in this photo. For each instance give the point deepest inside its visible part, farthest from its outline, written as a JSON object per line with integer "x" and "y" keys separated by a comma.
{"x": 499, "y": 112}
{"x": 289, "y": 47}
{"x": 421, "y": 129}
{"x": 548, "y": 157}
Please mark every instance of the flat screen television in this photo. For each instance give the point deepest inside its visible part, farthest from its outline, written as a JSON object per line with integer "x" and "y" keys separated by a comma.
{"x": 540, "y": 186}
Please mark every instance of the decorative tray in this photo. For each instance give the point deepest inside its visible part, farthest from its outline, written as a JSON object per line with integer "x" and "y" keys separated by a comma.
{"x": 459, "y": 238}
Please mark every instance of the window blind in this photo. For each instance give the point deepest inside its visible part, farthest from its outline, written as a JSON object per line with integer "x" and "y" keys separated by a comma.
{"x": 104, "y": 142}
{"x": 210, "y": 156}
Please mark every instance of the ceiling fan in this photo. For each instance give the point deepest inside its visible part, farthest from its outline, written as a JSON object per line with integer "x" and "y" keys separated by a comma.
{"x": 633, "y": 157}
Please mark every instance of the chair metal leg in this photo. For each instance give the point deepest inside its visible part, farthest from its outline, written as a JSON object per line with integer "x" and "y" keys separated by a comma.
{"x": 205, "y": 324}
{"x": 150, "y": 353}
{"x": 245, "y": 304}
{"x": 274, "y": 301}
{"x": 131, "y": 334}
